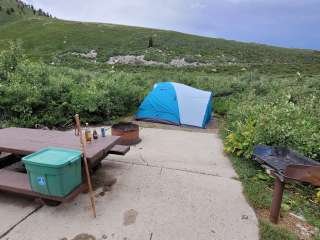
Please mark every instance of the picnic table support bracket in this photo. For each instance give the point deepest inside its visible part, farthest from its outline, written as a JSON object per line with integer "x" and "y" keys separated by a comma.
{"x": 276, "y": 200}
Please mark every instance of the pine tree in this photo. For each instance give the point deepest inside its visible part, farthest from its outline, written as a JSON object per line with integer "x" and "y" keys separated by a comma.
{"x": 150, "y": 45}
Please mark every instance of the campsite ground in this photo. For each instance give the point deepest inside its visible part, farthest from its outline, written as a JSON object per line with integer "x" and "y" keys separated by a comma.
{"x": 264, "y": 94}
{"x": 164, "y": 190}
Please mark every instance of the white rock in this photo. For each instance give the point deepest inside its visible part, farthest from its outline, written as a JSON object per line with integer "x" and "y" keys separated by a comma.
{"x": 301, "y": 218}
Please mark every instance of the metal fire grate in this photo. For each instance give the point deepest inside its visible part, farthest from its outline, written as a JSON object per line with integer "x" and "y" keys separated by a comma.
{"x": 285, "y": 164}
{"x": 129, "y": 132}
{"x": 279, "y": 158}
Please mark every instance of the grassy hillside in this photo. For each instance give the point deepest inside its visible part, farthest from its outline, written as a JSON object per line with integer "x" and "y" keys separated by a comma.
{"x": 11, "y": 10}
{"x": 47, "y": 38}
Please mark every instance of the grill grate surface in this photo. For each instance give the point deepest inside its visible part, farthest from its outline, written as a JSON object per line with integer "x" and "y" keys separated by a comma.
{"x": 280, "y": 158}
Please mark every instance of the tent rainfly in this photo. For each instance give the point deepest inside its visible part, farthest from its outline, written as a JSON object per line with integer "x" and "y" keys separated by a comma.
{"x": 178, "y": 104}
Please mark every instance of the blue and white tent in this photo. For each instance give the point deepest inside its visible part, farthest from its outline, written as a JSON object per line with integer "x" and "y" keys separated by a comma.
{"x": 178, "y": 104}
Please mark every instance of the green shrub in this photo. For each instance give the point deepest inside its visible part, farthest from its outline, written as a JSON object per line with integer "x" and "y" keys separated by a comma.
{"x": 34, "y": 93}
{"x": 276, "y": 121}
{"x": 10, "y": 59}
{"x": 241, "y": 141}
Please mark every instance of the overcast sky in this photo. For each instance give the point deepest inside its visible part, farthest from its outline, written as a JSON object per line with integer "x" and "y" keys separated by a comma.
{"x": 289, "y": 23}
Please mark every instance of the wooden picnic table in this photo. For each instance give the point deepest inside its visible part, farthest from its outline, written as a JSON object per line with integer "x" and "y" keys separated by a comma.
{"x": 24, "y": 141}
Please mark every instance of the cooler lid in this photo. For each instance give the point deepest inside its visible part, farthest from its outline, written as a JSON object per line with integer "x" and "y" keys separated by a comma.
{"x": 52, "y": 157}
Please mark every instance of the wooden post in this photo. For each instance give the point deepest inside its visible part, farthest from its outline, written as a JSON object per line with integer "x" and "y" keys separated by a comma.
{"x": 86, "y": 166}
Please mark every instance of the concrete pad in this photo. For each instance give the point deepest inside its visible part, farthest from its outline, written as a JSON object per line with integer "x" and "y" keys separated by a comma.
{"x": 150, "y": 203}
{"x": 173, "y": 185}
{"x": 13, "y": 209}
{"x": 190, "y": 151}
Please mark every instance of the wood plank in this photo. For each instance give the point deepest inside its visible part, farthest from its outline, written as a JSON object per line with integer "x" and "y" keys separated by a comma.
{"x": 119, "y": 150}
{"x": 16, "y": 182}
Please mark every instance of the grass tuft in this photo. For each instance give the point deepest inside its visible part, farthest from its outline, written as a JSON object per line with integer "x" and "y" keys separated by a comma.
{"x": 269, "y": 231}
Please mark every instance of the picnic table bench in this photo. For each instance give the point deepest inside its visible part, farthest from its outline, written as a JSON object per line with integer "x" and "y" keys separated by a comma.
{"x": 24, "y": 141}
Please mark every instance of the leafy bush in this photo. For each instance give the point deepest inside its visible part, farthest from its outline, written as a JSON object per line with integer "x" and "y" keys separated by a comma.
{"x": 278, "y": 118}
{"x": 9, "y": 59}
{"x": 241, "y": 141}
{"x": 318, "y": 195}
{"x": 34, "y": 93}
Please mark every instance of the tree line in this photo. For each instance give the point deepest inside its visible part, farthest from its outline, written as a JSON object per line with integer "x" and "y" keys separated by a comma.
{"x": 21, "y": 9}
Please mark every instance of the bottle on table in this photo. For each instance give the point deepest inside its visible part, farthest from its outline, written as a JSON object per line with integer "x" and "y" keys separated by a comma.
{"x": 103, "y": 132}
{"x": 87, "y": 133}
{"x": 95, "y": 134}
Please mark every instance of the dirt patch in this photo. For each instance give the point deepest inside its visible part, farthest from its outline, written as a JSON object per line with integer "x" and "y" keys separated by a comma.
{"x": 102, "y": 180}
{"x": 301, "y": 228}
{"x": 211, "y": 128}
{"x": 84, "y": 236}
{"x": 130, "y": 217}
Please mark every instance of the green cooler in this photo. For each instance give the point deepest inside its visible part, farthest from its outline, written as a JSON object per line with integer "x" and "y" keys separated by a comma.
{"x": 54, "y": 171}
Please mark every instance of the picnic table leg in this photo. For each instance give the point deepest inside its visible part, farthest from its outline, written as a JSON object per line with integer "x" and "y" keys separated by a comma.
{"x": 276, "y": 200}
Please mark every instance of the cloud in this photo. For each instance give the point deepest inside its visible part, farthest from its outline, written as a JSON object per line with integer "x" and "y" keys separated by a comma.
{"x": 291, "y": 23}
{"x": 198, "y": 5}
{"x": 138, "y": 12}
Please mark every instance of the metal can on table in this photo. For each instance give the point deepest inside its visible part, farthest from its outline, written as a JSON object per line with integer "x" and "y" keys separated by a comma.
{"x": 103, "y": 132}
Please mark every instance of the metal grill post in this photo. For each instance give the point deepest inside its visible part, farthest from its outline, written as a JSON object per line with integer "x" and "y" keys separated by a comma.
{"x": 276, "y": 200}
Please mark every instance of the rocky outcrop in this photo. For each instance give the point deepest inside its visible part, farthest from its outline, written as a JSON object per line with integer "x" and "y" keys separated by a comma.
{"x": 92, "y": 55}
{"x": 139, "y": 60}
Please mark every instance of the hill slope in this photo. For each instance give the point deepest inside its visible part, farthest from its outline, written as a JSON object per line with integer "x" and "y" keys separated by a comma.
{"x": 47, "y": 37}
{"x": 10, "y": 10}
{"x": 15, "y": 9}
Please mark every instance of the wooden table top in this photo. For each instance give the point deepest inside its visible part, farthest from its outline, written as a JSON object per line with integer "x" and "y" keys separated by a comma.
{"x": 24, "y": 141}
